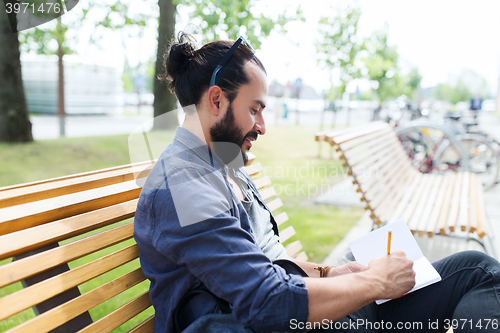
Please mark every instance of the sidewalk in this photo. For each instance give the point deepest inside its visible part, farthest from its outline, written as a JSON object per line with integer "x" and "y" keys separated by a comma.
{"x": 435, "y": 248}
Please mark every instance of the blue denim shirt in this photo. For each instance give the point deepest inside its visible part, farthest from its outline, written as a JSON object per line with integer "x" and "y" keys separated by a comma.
{"x": 193, "y": 233}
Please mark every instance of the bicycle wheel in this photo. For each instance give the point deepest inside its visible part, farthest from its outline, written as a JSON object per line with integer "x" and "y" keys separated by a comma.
{"x": 484, "y": 158}
{"x": 419, "y": 146}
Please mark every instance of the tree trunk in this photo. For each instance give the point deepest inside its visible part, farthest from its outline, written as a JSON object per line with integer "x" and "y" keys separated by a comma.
{"x": 164, "y": 100}
{"x": 15, "y": 125}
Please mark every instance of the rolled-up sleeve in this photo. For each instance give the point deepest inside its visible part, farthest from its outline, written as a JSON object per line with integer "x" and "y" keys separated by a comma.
{"x": 223, "y": 255}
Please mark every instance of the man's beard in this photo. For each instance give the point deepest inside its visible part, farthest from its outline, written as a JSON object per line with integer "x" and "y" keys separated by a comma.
{"x": 227, "y": 139}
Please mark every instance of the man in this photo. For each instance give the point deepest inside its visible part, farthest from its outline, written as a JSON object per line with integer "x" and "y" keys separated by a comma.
{"x": 215, "y": 266}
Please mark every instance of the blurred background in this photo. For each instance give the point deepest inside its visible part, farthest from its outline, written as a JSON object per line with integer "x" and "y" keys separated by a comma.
{"x": 360, "y": 59}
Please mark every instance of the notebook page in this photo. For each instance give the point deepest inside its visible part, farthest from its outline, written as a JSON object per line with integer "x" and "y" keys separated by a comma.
{"x": 374, "y": 246}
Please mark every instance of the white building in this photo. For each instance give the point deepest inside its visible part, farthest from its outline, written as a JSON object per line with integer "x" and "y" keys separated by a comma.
{"x": 88, "y": 88}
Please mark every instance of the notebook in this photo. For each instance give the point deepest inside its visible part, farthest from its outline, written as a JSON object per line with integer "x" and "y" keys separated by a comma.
{"x": 374, "y": 245}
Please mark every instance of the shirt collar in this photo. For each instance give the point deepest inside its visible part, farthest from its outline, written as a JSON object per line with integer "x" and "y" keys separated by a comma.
{"x": 195, "y": 145}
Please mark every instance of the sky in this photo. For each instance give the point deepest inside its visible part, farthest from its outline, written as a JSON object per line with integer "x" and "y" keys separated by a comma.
{"x": 439, "y": 37}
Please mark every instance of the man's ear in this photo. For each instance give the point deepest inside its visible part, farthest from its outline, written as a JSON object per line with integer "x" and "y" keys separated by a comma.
{"x": 215, "y": 96}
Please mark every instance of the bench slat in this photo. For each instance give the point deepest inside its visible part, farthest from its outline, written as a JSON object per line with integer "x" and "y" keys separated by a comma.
{"x": 121, "y": 315}
{"x": 124, "y": 169}
{"x": 286, "y": 234}
{"x": 368, "y": 145}
{"x": 44, "y": 191}
{"x": 293, "y": 248}
{"x": 382, "y": 209}
{"x": 36, "y": 213}
{"x": 408, "y": 194}
{"x": 275, "y": 204}
{"x": 463, "y": 215}
{"x": 27, "y": 297}
{"x": 262, "y": 182}
{"x": 327, "y": 134}
{"x": 398, "y": 184}
{"x": 416, "y": 198}
{"x": 421, "y": 223}
{"x": 71, "y": 309}
{"x": 455, "y": 203}
{"x": 37, "y": 263}
{"x": 359, "y": 132}
{"x": 267, "y": 193}
{"x": 251, "y": 158}
{"x": 432, "y": 223}
{"x": 346, "y": 146}
{"x": 29, "y": 239}
{"x": 372, "y": 164}
{"x": 481, "y": 211}
{"x": 147, "y": 326}
{"x": 445, "y": 209}
{"x": 380, "y": 150}
{"x": 473, "y": 203}
{"x": 281, "y": 218}
{"x": 368, "y": 181}
{"x": 376, "y": 186}
{"x": 417, "y": 204}
{"x": 302, "y": 256}
{"x": 254, "y": 169}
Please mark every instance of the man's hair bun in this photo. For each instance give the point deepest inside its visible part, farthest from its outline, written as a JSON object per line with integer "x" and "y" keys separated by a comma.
{"x": 178, "y": 58}
{"x": 189, "y": 70}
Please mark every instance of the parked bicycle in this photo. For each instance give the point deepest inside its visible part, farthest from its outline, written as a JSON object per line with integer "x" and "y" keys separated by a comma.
{"x": 445, "y": 146}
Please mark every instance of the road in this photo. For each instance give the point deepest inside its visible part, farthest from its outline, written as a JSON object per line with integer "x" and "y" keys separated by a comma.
{"x": 47, "y": 126}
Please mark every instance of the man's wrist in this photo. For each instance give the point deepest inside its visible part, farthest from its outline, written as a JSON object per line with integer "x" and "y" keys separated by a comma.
{"x": 323, "y": 270}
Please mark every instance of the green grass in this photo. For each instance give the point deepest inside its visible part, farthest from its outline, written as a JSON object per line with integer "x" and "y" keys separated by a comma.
{"x": 288, "y": 154}
{"x": 290, "y": 158}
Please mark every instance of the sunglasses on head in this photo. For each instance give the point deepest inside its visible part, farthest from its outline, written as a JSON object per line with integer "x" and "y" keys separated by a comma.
{"x": 228, "y": 56}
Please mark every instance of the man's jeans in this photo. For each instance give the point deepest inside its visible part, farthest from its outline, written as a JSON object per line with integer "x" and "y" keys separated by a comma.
{"x": 467, "y": 299}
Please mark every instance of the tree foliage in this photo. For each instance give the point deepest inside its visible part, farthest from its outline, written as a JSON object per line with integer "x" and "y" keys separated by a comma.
{"x": 462, "y": 87}
{"x": 101, "y": 15}
{"x": 221, "y": 19}
{"x": 339, "y": 46}
{"x": 382, "y": 64}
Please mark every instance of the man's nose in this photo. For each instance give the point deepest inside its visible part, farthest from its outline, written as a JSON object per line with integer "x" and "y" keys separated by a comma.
{"x": 260, "y": 125}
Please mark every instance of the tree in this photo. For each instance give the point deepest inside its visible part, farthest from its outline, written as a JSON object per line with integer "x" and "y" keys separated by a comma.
{"x": 339, "y": 47}
{"x": 462, "y": 87}
{"x": 117, "y": 16}
{"x": 214, "y": 17}
{"x": 164, "y": 100}
{"x": 382, "y": 67}
{"x": 15, "y": 125}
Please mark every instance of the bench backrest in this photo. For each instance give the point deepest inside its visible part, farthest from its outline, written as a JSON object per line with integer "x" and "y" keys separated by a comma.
{"x": 392, "y": 188}
{"x": 69, "y": 241}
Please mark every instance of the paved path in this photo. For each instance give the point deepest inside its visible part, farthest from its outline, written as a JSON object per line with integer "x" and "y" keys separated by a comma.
{"x": 47, "y": 126}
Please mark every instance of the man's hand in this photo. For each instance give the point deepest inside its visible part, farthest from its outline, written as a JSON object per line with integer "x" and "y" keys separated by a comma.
{"x": 350, "y": 267}
{"x": 395, "y": 274}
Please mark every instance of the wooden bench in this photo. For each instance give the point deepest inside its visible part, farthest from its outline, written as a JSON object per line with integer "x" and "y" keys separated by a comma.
{"x": 392, "y": 188}
{"x": 69, "y": 242}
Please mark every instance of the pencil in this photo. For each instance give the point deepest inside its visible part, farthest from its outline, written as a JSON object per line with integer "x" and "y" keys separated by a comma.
{"x": 389, "y": 242}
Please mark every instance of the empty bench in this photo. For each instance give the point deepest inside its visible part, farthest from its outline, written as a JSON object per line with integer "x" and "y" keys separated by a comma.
{"x": 391, "y": 188}
{"x": 67, "y": 251}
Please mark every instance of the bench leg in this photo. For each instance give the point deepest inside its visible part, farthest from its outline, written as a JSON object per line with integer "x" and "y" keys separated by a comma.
{"x": 76, "y": 323}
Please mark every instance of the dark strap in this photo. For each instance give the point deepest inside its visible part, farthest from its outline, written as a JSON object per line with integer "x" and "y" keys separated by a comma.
{"x": 290, "y": 267}
{"x": 221, "y": 305}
